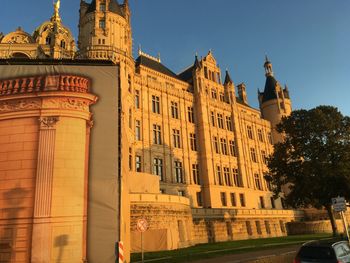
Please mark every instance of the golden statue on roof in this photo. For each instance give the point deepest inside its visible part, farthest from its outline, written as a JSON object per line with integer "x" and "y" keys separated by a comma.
{"x": 57, "y": 6}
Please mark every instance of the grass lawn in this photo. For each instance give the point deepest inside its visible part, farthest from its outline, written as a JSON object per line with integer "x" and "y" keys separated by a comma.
{"x": 223, "y": 248}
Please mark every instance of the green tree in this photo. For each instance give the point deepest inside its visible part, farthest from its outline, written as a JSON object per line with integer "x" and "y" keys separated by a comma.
{"x": 312, "y": 164}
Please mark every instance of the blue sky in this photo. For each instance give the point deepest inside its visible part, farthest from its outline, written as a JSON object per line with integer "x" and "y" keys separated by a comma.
{"x": 308, "y": 41}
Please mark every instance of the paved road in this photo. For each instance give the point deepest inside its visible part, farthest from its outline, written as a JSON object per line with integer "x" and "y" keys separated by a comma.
{"x": 278, "y": 255}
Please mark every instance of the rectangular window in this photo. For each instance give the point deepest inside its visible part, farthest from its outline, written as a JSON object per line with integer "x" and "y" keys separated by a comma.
{"x": 176, "y": 138}
{"x": 223, "y": 146}
{"x": 155, "y": 104}
{"x": 233, "y": 148}
{"x": 216, "y": 145}
{"x": 229, "y": 123}
{"x": 227, "y": 176}
{"x": 158, "y": 168}
{"x": 220, "y": 121}
{"x": 257, "y": 182}
{"x": 137, "y": 99}
{"x": 181, "y": 193}
{"x": 193, "y": 142}
{"x": 157, "y": 134}
{"x": 250, "y": 132}
{"x": 138, "y": 164}
{"x": 253, "y": 155}
{"x": 129, "y": 84}
{"x": 102, "y": 23}
{"x": 190, "y": 114}
{"x": 260, "y": 135}
{"x": 102, "y": 7}
{"x": 206, "y": 72}
{"x": 213, "y": 94}
{"x": 269, "y": 136}
{"x": 137, "y": 130}
{"x": 218, "y": 174}
{"x": 283, "y": 228}
{"x": 233, "y": 199}
{"x": 199, "y": 199}
{"x": 258, "y": 227}
{"x": 242, "y": 199}
{"x": 174, "y": 110}
{"x": 249, "y": 228}
{"x": 273, "y": 204}
{"x": 267, "y": 227}
{"x": 223, "y": 199}
{"x": 237, "y": 178}
{"x": 222, "y": 96}
{"x": 195, "y": 174}
{"x": 178, "y": 172}
{"x": 213, "y": 119}
{"x": 262, "y": 202}
{"x": 264, "y": 157}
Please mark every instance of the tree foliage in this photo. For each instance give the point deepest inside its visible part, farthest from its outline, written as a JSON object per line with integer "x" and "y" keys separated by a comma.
{"x": 313, "y": 161}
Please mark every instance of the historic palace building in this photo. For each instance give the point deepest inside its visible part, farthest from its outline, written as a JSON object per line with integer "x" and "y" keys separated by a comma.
{"x": 194, "y": 152}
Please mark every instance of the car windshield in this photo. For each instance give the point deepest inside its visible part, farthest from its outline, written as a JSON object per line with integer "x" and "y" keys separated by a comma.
{"x": 316, "y": 253}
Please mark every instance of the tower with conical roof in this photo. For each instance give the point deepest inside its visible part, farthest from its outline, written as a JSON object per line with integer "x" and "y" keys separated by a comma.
{"x": 274, "y": 101}
{"x": 104, "y": 30}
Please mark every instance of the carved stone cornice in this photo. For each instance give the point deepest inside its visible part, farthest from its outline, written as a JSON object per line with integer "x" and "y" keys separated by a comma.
{"x": 20, "y": 105}
{"x": 48, "y": 122}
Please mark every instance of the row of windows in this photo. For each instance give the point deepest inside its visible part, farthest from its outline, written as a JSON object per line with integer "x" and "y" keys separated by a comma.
{"x": 254, "y": 156}
{"x": 211, "y": 75}
{"x": 233, "y": 200}
{"x": 228, "y": 177}
{"x": 223, "y": 148}
{"x": 219, "y": 121}
{"x": 215, "y": 97}
{"x": 260, "y": 134}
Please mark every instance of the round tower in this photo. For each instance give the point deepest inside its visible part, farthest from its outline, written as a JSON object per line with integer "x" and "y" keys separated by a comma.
{"x": 274, "y": 101}
{"x": 104, "y": 30}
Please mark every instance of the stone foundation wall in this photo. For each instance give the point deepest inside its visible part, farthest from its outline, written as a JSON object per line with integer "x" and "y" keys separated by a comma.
{"x": 313, "y": 227}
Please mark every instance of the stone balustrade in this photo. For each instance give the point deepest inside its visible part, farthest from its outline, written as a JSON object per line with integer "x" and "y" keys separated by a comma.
{"x": 245, "y": 213}
{"x": 24, "y": 85}
{"x": 159, "y": 198}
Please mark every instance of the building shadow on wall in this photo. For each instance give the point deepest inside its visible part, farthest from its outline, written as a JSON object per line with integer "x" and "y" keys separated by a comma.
{"x": 13, "y": 202}
{"x": 60, "y": 242}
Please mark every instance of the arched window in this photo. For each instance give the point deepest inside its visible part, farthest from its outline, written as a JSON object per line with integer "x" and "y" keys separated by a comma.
{"x": 48, "y": 40}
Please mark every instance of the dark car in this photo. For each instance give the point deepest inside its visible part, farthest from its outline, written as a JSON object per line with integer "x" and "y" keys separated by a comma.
{"x": 329, "y": 251}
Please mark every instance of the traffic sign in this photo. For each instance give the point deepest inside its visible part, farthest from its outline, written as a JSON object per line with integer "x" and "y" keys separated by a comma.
{"x": 339, "y": 204}
{"x": 142, "y": 225}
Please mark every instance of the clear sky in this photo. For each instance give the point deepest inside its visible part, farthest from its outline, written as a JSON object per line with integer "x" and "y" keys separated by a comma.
{"x": 308, "y": 41}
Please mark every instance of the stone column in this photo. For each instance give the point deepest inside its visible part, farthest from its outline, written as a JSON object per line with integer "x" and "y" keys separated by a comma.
{"x": 41, "y": 239}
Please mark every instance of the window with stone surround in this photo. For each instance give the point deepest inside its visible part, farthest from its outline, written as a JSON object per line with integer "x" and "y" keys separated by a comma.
{"x": 264, "y": 157}
{"x": 218, "y": 175}
{"x": 157, "y": 134}
{"x": 223, "y": 199}
{"x": 233, "y": 199}
{"x": 223, "y": 146}
{"x": 137, "y": 99}
{"x": 213, "y": 120}
{"x": 233, "y": 148}
{"x": 260, "y": 135}
{"x": 178, "y": 172}
{"x": 193, "y": 142}
{"x": 242, "y": 200}
{"x": 262, "y": 202}
{"x": 237, "y": 179}
{"x": 216, "y": 145}
{"x": 250, "y": 132}
{"x": 195, "y": 174}
{"x": 273, "y": 204}
{"x": 155, "y": 104}
{"x": 229, "y": 123}
{"x": 227, "y": 176}
{"x": 190, "y": 114}
{"x": 138, "y": 164}
{"x": 258, "y": 227}
{"x": 102, "y": 23}
{"x": 253, "y": 155}
{"x": 220, "y": 121}
{"x": 267, "y": 227}
{"x": 257, "y": 180}
{"x": 249, "y": 228}
{"x": 174, "y": 110}
{"x": 158, "y": 168}
{"x": 199, "y": 198}
{"x": 176, "y": 138}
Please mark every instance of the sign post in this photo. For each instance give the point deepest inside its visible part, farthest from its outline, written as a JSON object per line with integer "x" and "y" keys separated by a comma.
{"x": 339, "y": 205}
{"x": 142, "y": 226}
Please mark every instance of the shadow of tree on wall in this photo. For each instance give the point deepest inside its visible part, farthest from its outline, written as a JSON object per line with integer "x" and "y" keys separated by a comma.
{"x": 13, "y": 199}
{"x": 60, "y": 242}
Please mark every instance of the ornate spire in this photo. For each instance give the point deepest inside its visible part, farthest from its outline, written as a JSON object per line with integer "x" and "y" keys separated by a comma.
{"x": 228, "y": 79}
{"x": 268, "y": 67}
{"x": 56, "y": 15}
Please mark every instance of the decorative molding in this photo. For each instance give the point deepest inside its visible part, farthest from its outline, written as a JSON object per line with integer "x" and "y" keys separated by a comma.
{"x": 48, "y": 122}
{"x": 20, "y": 105}
{"x": 67, "y": 103}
